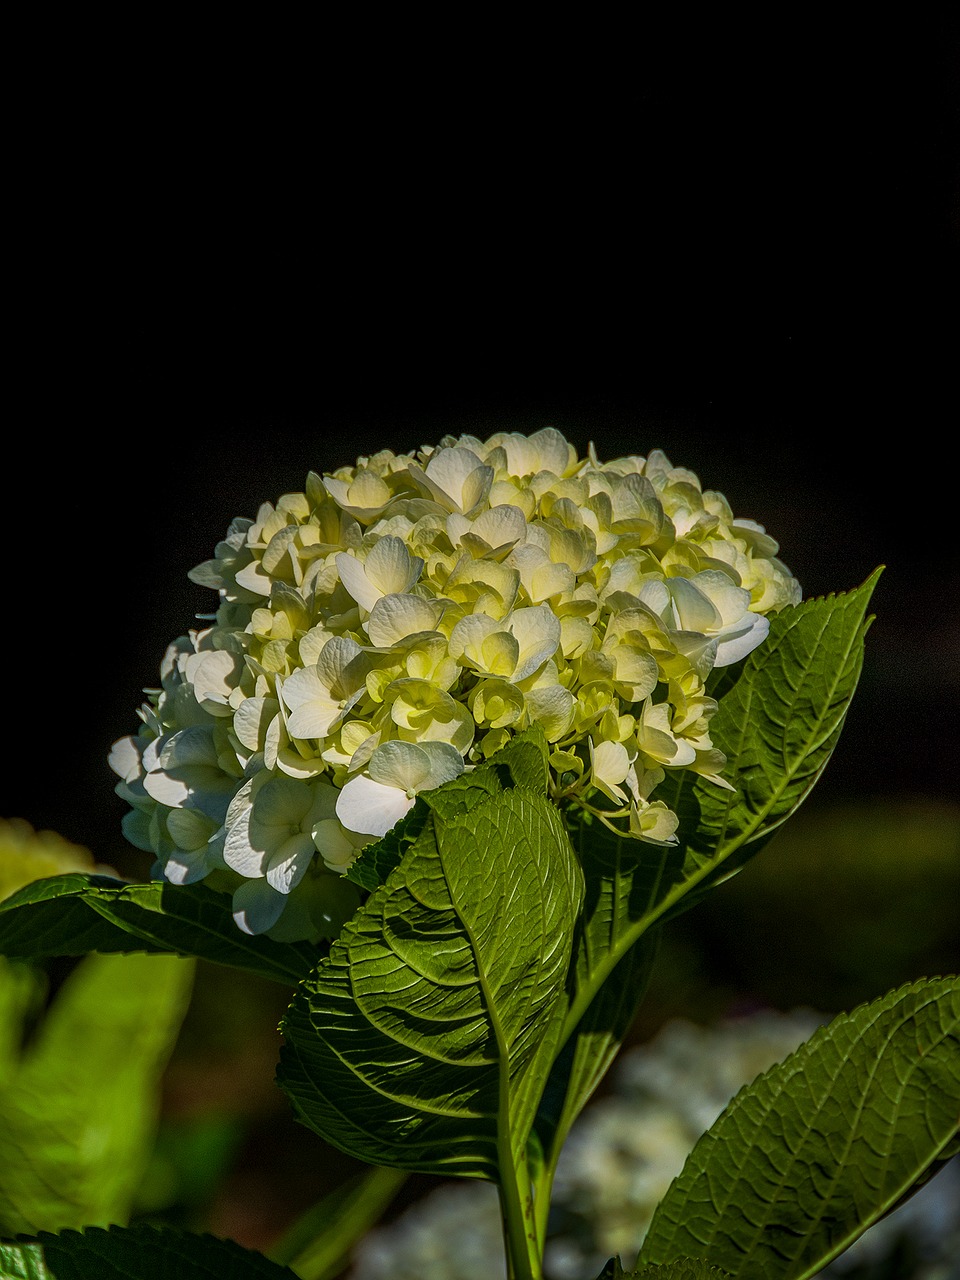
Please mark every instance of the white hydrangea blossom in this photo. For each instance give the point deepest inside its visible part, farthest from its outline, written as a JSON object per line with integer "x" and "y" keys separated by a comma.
{"x": 397, "y": 622}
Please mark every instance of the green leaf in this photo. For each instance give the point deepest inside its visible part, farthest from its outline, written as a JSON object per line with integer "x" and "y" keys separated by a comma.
{"x": 23, "y": 1262}
{"x": 72, "y": 914}
{"x": 376, "y": 860}
{"x": 682, "y": 1269}
{"x": 824, "y": 1144}
{"x": 424, "y": 1039}
{"x": 23, "y": 989}
{"x": 594, "y": 1043}
{"x": 134, "y": 1253}
{"x": 81, "y": 1104}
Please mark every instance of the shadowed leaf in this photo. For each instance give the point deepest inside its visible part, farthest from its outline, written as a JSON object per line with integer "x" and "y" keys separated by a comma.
{"x": 134, "y": 1253}
{"x": 73, "y": 914}
{"x": 81, "y": 1102}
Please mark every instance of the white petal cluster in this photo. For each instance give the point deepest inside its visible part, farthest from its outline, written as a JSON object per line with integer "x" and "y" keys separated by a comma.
{"x": 397, "y": 622}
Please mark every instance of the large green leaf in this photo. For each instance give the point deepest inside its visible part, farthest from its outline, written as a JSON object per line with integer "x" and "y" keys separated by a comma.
{"x": 821, "y": 1146}
{"x": 134, "y": 1253}
{"x": 595, "y": 1041}
{"x": 81, "y": 1102}
{"x": 23, "y": 1262}
{"x": 72, "y": 914}
{"x": 23, "y": 988}
{"x": 422, "y": 1042}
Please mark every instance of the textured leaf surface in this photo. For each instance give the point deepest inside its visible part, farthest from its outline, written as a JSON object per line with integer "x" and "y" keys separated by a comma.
{"x": 376, "y": 860}
{"x": 73, "y": 914}
{"x": 821, "y": 1146}
{"x": 23, "y": 1262}
{"x": 595, "y": 1041}
{"x": 134, "y": 1253}
{"x": 423, "y": 1040}
{"x": 682, "y": 1269}
{"x": 80, "y": 1105}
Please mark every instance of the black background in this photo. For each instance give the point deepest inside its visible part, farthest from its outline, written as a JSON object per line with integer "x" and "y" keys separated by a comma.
{"x": 738, "y": 246}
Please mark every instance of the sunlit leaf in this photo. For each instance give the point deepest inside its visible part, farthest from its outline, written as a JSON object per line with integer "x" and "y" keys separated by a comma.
{"x": 423, "y": 1041}
{"x": 824, "y": 1144}
{"x": 81, "y": 1102}
{"x": 778, "y": 726}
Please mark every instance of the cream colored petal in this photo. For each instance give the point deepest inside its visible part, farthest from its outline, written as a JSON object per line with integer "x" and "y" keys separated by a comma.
{"x": 124, "y": 759}
{"x": 371, "y": 808}
{"x": 694, "y": 610}
{"x": 537, "y": 632}
{"x": 313, "y": 712}
{"x": 355, "y": 580}
{"x": 252, "y": 719}
{"x": 239, "y": 853}
{"x": 394, "y": 618}
{"x": 458, "y": 477}
{"x": 736, "y": 646}
{"x": 553, "y": 708}
{"x": 730, "y": 601}
{"x": 391, "y": 568}
{"x": 256, "y": 906}
{"x": 414, "y": 767}
{"x": 501, "y": 526}
{"x": 335, "y": 848}
{"x": 288, "y": 863}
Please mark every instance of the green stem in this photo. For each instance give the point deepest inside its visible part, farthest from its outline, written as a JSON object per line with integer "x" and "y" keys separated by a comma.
{"x": 520, "y": 1234}
{"x": 319, "y": 1242}
{"x": 543, "y": 1191}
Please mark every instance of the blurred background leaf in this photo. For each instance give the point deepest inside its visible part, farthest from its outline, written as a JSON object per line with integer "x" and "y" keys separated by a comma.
{"x": 80, "y": 1103}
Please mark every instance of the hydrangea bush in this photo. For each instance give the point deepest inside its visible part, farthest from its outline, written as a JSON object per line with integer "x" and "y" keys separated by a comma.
{"x": 467, "y": 729}
{"x": 400, "y": 620}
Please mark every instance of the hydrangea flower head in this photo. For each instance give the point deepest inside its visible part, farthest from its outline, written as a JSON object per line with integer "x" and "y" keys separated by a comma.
{"x": 397, "y": 622}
